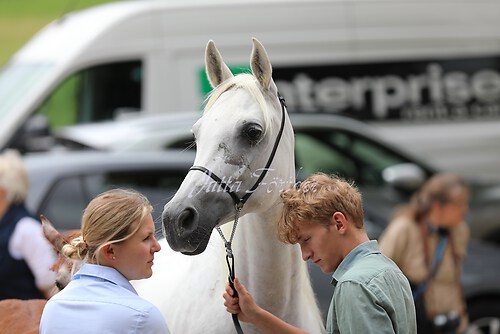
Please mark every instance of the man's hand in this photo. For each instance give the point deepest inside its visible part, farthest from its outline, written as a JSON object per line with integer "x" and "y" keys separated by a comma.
{"x": 243, "y": 305}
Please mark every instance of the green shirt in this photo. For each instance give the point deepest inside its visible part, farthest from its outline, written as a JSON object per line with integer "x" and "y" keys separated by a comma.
{"x": 371, "y": 295}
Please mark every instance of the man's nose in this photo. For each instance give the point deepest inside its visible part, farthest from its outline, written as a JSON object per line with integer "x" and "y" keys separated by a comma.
{"x": 306, "y": 254}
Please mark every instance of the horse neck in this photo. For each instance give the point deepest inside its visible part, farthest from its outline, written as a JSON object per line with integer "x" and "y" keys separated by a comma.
{"x": 261, "y": 256}
{"x": 265, "y": 264}
{"x": 262, "y": 262}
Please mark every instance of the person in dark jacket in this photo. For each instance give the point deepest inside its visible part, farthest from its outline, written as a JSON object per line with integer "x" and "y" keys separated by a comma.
{"x": 25, "y": 255}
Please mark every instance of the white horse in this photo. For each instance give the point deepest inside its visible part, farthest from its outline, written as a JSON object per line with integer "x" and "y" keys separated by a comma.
{"x": 235, "y": 138}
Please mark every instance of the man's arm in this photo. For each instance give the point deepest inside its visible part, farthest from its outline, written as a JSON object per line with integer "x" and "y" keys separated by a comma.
{"x": 358, "y": 310}
{"x": 248, "y": 311}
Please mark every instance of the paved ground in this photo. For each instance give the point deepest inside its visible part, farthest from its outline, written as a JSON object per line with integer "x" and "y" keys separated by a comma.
{"x": 469, "y": 148}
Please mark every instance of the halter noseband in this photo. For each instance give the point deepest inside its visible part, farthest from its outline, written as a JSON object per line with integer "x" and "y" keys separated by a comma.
{"x": 239, "y": 202}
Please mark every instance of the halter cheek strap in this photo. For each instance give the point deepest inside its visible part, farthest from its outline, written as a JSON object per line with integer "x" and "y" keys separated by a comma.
{"x": 239, "y": 202}
{"x": 242, "y": 200}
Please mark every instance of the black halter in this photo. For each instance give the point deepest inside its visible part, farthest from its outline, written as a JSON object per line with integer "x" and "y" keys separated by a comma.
{"x": 236, "y": 199}
{"x": 239, "y": 202}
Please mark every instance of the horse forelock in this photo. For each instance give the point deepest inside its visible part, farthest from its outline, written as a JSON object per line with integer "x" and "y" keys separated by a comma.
{"x": 241, "y": 81}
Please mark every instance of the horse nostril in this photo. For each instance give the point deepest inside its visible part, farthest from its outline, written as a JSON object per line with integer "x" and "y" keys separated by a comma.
{"x": 187, "y": 222}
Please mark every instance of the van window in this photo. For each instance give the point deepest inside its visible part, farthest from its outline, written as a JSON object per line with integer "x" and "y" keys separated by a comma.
{"x": 344, "y": 154}
{"x": 64, "y": 203}
{"x": 66, "y": 200}
{"x": 96, "y": 93}
{"x": 17, "y": 81}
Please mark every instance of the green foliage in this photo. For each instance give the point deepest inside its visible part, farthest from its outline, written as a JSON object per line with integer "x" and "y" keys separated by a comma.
{"x": 43, "y": 8}
{"x": 21, "y": 19}
{"x": 60, "y": 108}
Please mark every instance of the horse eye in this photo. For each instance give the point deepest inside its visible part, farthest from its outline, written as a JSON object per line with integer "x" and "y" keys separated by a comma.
{"x": 59, "y": 285}
{"x": 253, "y": 132}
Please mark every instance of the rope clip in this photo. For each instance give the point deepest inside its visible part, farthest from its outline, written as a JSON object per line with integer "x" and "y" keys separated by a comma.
{"x": 229, "y": 251}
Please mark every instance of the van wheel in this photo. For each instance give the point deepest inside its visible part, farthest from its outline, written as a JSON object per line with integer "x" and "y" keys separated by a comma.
{"x": 484, "y": 316}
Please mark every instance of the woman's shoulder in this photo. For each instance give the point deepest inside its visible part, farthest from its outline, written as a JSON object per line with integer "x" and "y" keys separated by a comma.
{"x": 461, "y": 235}
{"x": 402, "y": 223}
{"x": 117, "y": 314}
{"x": 397, "y": 236}
{"x": 98, "y": 293}
{"x": 151, "y": 317}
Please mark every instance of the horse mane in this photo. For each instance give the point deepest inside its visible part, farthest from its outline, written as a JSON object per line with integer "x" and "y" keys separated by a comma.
{"x": 241, "y": 81}
{"x": 244, "y": 102}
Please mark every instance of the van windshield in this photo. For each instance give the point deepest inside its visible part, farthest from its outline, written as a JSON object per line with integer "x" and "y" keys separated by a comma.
{"x": 17, "y": 81}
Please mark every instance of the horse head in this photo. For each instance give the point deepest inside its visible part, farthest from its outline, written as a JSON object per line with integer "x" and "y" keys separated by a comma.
{"x": 244, "y": 156}
{"x": 63, "y": 267}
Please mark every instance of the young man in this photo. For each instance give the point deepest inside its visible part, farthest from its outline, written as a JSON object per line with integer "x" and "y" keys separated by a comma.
{"x": 371, "y": 295}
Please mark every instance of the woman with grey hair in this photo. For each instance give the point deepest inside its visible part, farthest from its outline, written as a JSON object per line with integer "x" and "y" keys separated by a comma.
{"x": 25, "y": 255}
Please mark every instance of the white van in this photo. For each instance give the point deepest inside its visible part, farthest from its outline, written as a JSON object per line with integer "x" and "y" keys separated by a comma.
{"x": 378, "y": 60}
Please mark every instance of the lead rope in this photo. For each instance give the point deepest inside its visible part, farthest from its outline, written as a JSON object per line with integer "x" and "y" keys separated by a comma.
{"x": 239, "y": 202}
{"x": 230, "y": 261}
{"x": 457, "y": 262}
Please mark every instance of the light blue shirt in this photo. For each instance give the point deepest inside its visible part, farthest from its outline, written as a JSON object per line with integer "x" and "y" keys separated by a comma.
{"x": 100, "y": 300}
{"x": 371, "y": 295}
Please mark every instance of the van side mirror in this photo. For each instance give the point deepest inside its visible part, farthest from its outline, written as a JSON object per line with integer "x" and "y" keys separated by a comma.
{"x": 33, "y": 136}
{"x": 406, "y": 177}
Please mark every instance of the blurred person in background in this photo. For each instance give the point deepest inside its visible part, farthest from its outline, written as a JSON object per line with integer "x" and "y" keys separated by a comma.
{"x": 428, "y": 240}
{"x": 117, "y": 245}
{"x": 26, "y": 256}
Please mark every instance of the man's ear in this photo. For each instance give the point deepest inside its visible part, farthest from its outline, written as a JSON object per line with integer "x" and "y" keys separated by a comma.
{"x": 339, "y": 221}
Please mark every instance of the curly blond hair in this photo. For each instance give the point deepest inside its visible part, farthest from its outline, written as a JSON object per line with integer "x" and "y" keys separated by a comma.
{"x": 315, "y": 201}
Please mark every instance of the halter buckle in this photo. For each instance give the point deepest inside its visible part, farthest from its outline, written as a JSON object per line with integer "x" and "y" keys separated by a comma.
{"x": 229, "y": 250}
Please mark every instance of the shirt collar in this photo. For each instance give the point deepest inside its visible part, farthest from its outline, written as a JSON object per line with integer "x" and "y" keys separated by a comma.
{"x": 362, "y": 250}
{"x": 431, "y": 229}
{"x": 105, "y": 273}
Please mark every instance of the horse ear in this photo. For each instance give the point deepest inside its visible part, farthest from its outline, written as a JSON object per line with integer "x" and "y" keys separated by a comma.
{"x": 260, "y": 64}
{"x": 217, "y": 71}
{"x": 52, "y": 235}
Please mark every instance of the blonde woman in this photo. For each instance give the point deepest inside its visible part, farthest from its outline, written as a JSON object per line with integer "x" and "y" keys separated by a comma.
{"x": 117, "y": 245}
{"x": 25, "y": 255}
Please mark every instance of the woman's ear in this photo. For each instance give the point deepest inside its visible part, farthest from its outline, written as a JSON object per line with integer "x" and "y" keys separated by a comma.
{"x": 108, "y": 253}
{"x": 339, "y": 221}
